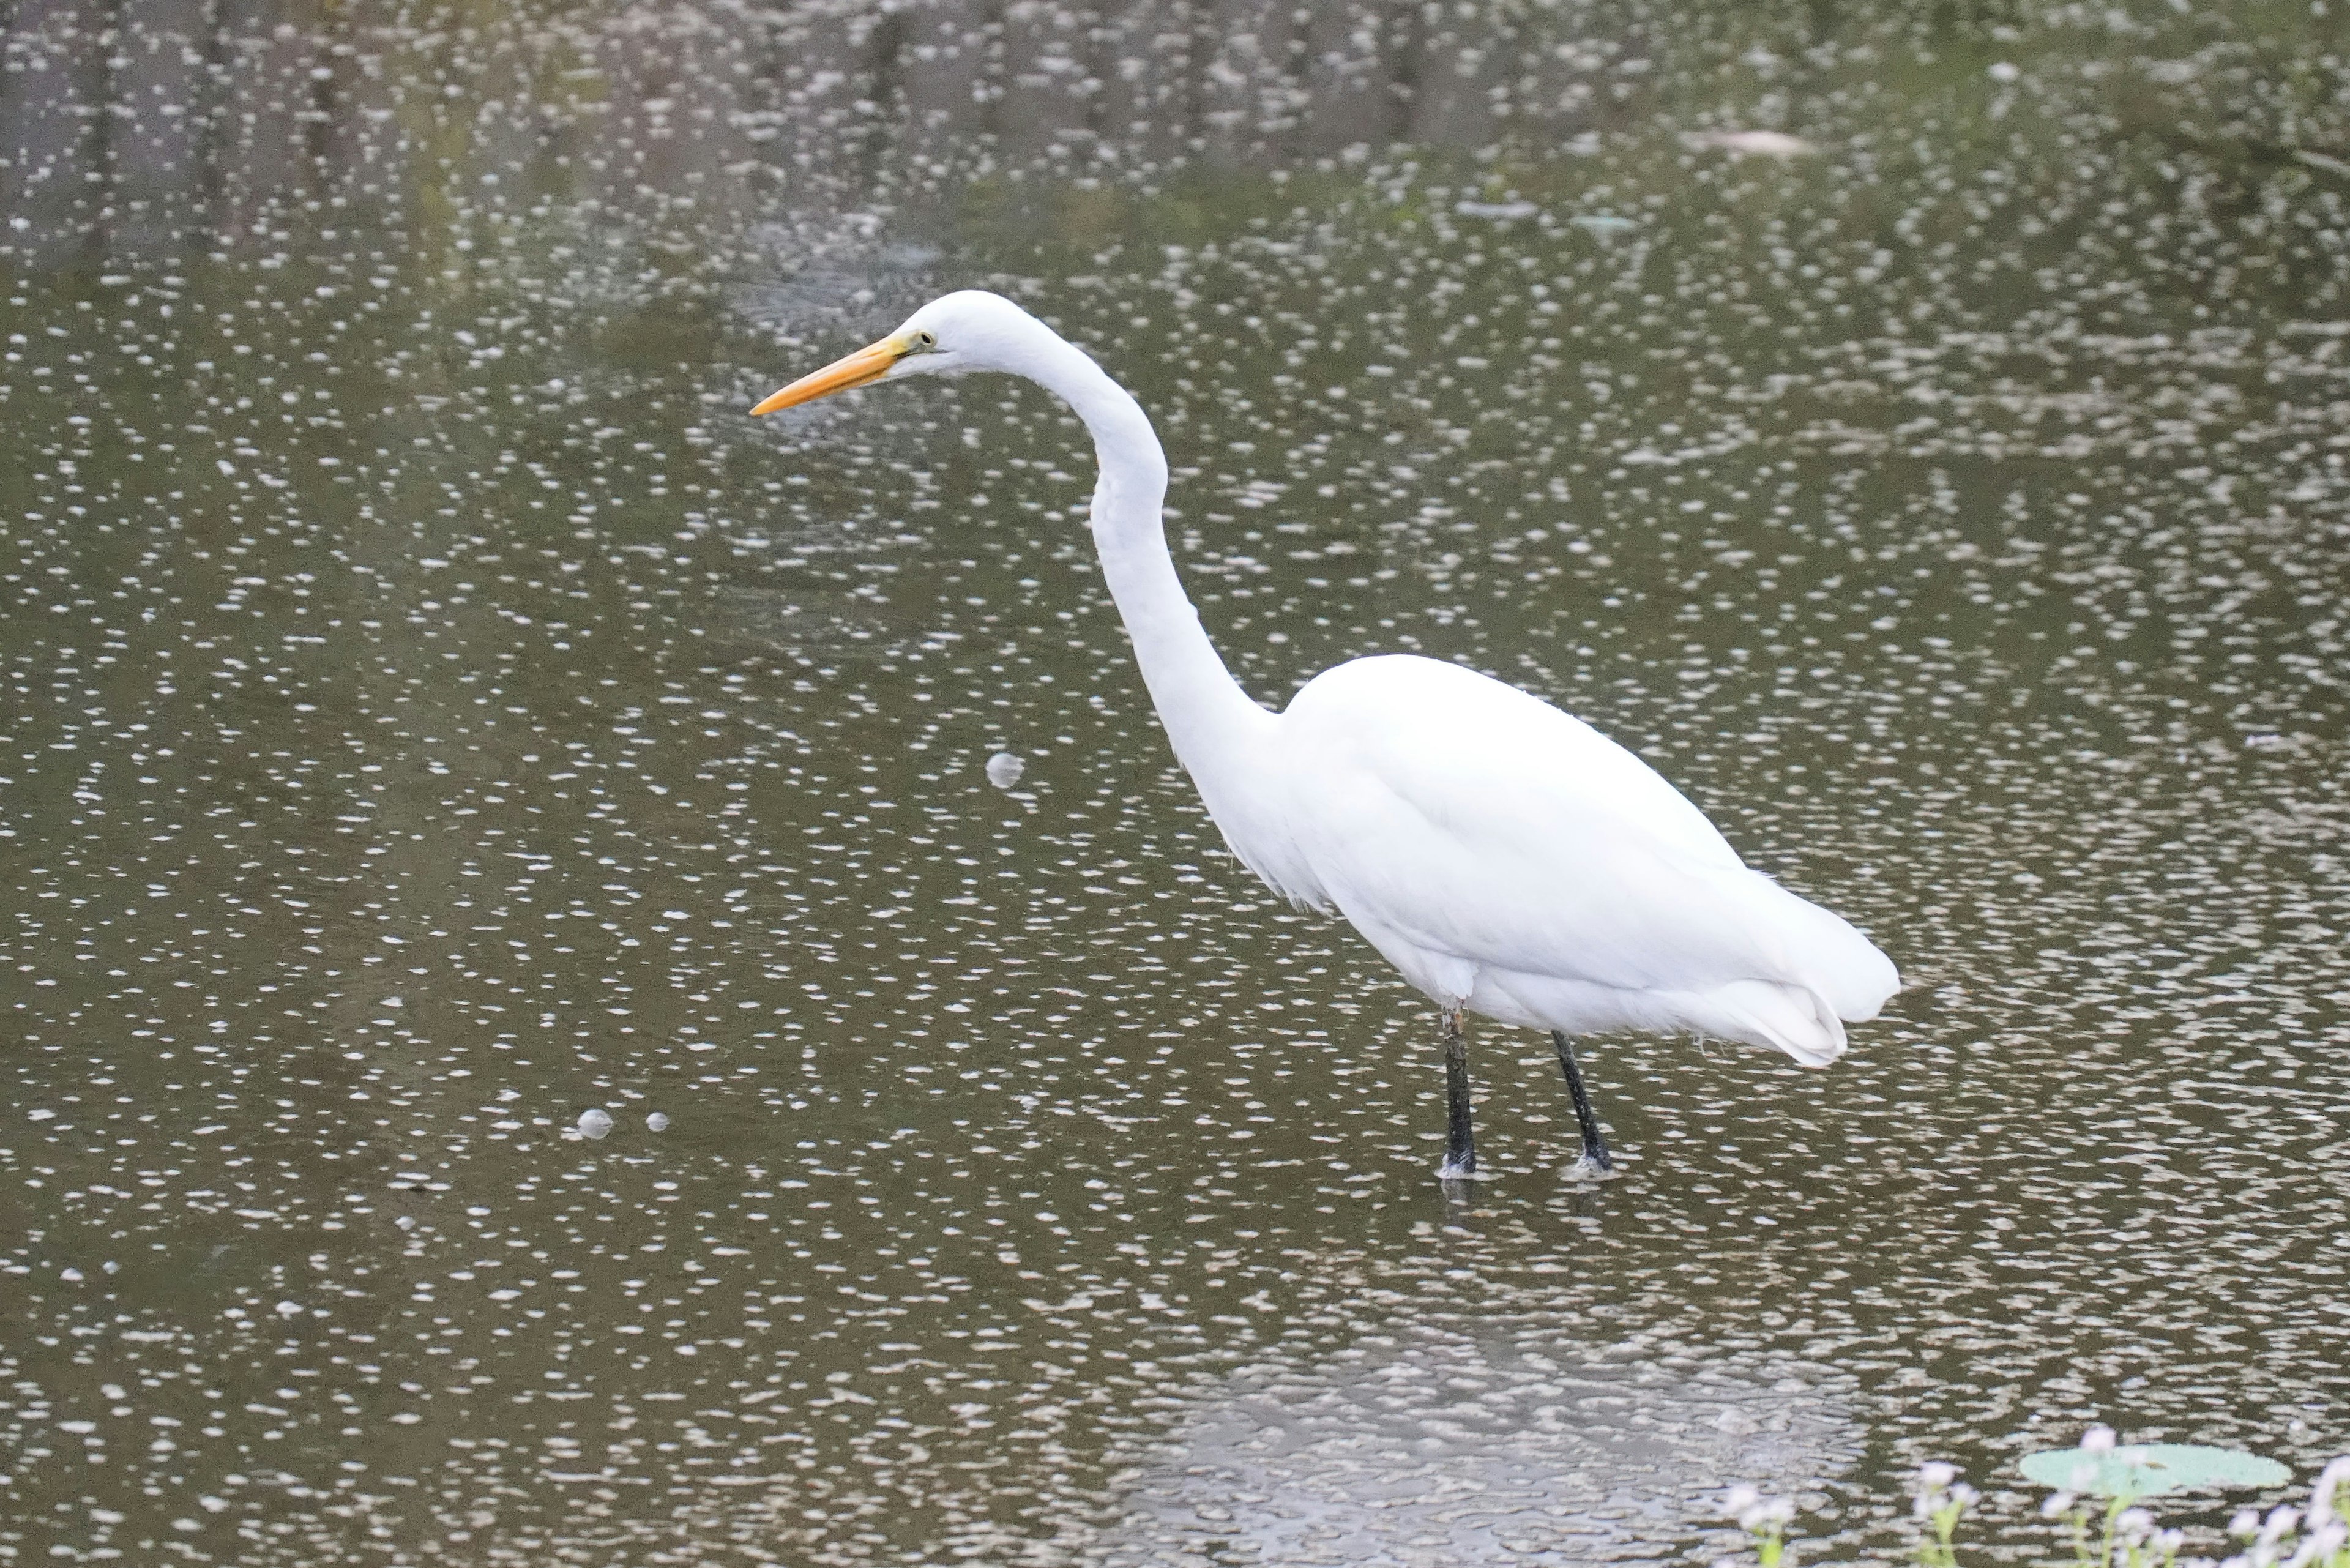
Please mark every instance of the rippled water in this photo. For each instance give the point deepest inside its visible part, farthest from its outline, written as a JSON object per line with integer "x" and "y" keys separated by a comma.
{"x": 436, "y": 713}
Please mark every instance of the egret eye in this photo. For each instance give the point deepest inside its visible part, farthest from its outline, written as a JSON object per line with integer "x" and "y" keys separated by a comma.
{"x": 926, "y": 339}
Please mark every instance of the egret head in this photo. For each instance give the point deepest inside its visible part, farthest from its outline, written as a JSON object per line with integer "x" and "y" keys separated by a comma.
{"x": 967, "y": 330}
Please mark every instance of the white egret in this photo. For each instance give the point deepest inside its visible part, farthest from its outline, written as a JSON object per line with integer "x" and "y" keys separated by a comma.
{"x": 1510, "y": 860}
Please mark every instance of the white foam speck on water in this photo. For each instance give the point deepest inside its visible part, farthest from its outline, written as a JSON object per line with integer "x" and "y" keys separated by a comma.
{"x": 1763, "y": 143}
{"x": 1004, "y": 769}
{"x": 1497, "y": 211}
{"x": 595, "y": 1122}
{"x": 656, "y": 1121}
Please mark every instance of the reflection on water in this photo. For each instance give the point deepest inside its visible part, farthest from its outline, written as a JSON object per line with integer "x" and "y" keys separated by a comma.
{"x": 435, "y": 713}
{"x": 1471, "y": 1446}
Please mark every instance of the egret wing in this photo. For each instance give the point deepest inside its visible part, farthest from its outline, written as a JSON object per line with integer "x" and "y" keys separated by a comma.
{"x": 1480, "y": 822}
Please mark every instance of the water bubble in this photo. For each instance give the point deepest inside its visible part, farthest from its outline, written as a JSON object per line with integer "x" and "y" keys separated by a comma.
{"x": 595, "y": 1122}
{"x": 1004, "y": 769}
{"x": 656, "y": 1121}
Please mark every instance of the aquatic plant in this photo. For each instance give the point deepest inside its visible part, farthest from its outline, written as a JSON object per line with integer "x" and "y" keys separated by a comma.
{"x": 2103, "y": 1466}
{"x": 2103, "y": 1486}
{"x": 1764, "y": 1520}
{"x": 1941, "y": 1500}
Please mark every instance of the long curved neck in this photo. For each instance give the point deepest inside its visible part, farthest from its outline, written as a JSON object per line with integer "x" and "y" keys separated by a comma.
{"x": 1210, "y": 720}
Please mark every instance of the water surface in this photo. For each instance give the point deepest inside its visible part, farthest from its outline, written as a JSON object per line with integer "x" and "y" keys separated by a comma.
{"x": 436, "y": 710}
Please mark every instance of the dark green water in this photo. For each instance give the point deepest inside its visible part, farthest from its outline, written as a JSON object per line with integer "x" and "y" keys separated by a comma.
{"x": 434, "y": 710}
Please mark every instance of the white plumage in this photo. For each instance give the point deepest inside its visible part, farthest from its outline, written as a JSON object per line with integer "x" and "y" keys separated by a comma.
{"x": 1508, "y": 859}
{"x": 1503, "y": 854}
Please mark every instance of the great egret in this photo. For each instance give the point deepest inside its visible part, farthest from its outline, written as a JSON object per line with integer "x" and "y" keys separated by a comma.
{"x": 1508, "y": 859}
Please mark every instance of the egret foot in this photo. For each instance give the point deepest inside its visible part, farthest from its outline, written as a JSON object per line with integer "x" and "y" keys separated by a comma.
{"x": 1460, "y": 1141}
{"x": 1588, "y": 1172}
{"x": 1596, "y": 1163}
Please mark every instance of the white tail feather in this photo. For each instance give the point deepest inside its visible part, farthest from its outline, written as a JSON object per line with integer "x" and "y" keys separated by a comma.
{"x": 1825, "y": 956}
{"x": 1791, "y": 1018}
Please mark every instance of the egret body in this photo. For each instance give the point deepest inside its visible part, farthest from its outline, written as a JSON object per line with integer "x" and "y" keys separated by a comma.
{"x": 1508, "y": 859}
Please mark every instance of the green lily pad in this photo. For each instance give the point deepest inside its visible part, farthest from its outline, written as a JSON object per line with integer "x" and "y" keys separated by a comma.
{"x": 2149, "y": 1469}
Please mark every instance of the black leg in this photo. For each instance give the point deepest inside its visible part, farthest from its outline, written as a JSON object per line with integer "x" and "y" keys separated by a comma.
{"x": 1594, "y": 1160}
{"x": 1460, "y": 1142}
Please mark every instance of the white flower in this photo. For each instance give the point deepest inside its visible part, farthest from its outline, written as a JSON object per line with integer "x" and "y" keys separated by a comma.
{"x": 2279, "y": 1525}
{"x": 2247, "y": 1523}
{"x": 2134, "y": 1524}
{"x": 2098, "y": 1439}
{"x": 1934, "y": 1475}
{"x": 2058, "y": 1504}
{"x": 2321, "y": 1495}
{"x": 1738, "y": 1499}
{"x": 2322, "y": 1545}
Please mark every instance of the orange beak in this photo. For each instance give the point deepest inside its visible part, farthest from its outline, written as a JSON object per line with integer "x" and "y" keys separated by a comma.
{"x": 866, "y": 366}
